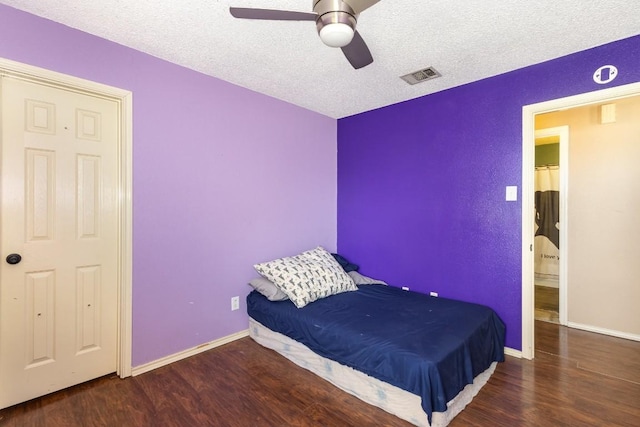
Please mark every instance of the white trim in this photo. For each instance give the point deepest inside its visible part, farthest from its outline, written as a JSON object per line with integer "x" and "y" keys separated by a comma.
{"x": 563, "y": 133}
{"x": 604, "y": 331}
{"x": 126, "y": 237}
{"x": 188, "y": 353}
{"x": 125, "y": 154}
{"x": 508, "y": 351}
{"x": 528, "y": 140}
{"x": 528, "y": 215}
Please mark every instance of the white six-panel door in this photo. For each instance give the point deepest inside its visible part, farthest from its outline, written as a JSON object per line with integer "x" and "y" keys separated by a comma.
{"x": 59, "y": 189}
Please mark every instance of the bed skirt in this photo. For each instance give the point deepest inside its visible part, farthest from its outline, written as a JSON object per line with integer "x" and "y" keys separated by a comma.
{"x": 392, "y": 399}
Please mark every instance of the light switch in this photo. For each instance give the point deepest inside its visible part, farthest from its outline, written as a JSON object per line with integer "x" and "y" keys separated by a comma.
{"x": 512, "y": 193}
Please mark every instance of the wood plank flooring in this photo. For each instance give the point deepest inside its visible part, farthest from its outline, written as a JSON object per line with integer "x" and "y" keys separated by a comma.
{"x": 577, "y": 379}
{"x": 547, "y": 304}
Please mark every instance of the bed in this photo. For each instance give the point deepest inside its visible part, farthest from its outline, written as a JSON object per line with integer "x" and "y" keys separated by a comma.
{"x": 418, "y": 357}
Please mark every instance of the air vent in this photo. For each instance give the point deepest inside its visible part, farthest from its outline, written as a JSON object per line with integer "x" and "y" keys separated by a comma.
{"x": 428, "y": 73}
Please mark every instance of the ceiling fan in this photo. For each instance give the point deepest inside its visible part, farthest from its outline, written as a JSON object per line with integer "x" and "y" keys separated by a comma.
{"x": 335, "y": 20}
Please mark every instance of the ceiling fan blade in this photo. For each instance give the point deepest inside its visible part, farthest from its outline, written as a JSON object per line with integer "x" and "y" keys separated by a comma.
{"x": 360, "y": 5}
{"x": 357, "y": 52}
{"x": 270, "y": 14}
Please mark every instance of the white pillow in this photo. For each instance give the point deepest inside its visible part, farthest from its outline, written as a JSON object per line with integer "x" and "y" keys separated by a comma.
{"x": 307, "y": 277}
{"x": 359, "y": 279}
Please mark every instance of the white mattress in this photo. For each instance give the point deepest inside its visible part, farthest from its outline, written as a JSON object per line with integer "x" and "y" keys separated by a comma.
{"x": 392, "y": 399}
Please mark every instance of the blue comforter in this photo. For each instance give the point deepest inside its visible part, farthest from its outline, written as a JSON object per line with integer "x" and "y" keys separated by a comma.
{"x": 428, "y": 346}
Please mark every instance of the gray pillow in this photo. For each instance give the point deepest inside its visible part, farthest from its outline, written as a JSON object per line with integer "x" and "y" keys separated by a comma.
{"x": 268, "y": 289}
{"x": 359, "y": 279}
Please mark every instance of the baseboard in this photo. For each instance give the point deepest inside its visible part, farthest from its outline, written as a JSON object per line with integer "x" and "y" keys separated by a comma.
{"x": 225, "y": 340}
{"x": 610, "y": 332}
{"x": 513, "y": 352}
{"x": 188, "y": 353}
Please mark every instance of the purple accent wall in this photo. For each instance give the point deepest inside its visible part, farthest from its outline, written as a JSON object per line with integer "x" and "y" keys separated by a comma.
{"x": 223, "y": 178}
{"x": 421, "y": 184}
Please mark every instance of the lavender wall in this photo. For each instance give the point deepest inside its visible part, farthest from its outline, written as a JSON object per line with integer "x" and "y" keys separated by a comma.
{"x": 223, "y": 178}
{"x": 421, "y": 184}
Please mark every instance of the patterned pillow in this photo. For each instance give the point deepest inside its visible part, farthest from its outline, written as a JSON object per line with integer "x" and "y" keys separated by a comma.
{"x": 308, "y": 276}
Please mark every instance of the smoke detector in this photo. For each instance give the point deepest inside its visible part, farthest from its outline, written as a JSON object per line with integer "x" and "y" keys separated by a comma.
{"x": 419, "y": 76}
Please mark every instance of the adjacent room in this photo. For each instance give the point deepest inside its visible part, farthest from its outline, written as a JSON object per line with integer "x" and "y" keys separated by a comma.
{"x": 444, "y": 156}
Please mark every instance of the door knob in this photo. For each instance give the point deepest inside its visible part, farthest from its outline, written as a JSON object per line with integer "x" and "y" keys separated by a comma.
{"x": 14, "y": 258}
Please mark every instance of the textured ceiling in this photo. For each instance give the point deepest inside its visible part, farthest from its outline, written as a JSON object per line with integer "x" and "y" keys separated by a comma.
{"x": 465, "y": 40}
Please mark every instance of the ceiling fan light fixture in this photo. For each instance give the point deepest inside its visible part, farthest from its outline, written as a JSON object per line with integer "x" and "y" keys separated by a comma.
{"x": 336, "y": 35}
{"x": 336, "y": 22}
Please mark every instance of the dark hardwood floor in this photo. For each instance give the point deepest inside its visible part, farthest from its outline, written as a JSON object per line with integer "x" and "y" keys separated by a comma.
{"x": 577, "y": 379}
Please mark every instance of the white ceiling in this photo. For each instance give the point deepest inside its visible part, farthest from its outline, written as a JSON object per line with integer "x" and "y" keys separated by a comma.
{"x": 465, "y": 40}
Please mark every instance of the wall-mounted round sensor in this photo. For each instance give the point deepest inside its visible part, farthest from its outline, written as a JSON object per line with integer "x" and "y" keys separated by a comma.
{"x": 605, "y": 74}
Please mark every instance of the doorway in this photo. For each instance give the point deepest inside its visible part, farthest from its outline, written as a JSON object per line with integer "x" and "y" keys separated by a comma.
{"x": 59, "y": 175}
{"x": 528, "y": 210}
{"x": 550, "y": 185}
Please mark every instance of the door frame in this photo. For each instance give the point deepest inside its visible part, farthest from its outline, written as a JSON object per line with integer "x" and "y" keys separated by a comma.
{"x": 562, "y": 132}
{"x": 528, "y": 162}
{"x": 123, "y": 98}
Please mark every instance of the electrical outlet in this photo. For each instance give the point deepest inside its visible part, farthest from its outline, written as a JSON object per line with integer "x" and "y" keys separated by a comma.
{"x": 235, "y": 303}
{"x": 433, "y": 294}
